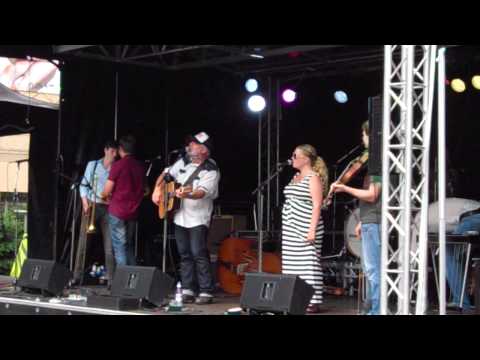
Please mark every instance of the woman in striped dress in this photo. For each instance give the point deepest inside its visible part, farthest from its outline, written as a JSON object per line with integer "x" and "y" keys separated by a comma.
{"x": 302, "y": 225}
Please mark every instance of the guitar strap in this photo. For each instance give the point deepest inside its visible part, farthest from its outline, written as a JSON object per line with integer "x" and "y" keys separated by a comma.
{"x": 194, "y": 174}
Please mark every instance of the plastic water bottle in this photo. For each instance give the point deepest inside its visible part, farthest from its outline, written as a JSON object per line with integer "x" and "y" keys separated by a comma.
{"x": 178, "y": 294}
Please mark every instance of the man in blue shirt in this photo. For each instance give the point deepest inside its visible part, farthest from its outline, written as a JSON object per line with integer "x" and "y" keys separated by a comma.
{"x": 91, "y": 186}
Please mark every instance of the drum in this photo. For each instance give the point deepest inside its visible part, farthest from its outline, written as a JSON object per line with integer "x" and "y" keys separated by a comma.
{"x": 354, "y": 245}
{"x": 454, "y": 208}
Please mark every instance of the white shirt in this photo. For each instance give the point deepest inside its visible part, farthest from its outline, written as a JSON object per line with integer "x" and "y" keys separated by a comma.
{"x": 196, "y": 212}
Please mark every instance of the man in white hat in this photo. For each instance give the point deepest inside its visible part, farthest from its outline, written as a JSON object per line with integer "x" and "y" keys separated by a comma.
{"x": 192, "y": 219}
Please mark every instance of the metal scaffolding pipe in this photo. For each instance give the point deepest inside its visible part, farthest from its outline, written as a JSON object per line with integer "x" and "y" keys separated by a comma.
{"x": 441, "y": 178}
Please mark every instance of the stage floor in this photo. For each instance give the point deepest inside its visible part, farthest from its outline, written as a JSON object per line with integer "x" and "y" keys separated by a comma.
{"x": 14, "y": 302}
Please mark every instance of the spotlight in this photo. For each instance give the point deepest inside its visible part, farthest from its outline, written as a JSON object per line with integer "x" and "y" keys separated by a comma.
{"x": 256, "y": 103}
{"x": 251, "y": 85}
{"x": 289, "y": 95}
{"x": 458, "y": 85}
{"x": 340, "y": 96}
{"x": 476, "y": 82}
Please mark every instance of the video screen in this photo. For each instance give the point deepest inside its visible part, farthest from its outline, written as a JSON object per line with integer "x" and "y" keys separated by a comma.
{"x": 30, "y": 81}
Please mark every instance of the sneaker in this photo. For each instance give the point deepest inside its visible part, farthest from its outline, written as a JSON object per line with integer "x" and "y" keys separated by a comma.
{"x": 456, "y": 306}
{"x": 188, "y": 296}
{"x": 204, "y": 298}
{"x": 365, "y": 308}
{"x": 75, "y": 282}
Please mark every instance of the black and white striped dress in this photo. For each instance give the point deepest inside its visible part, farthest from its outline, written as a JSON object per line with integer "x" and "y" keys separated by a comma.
{"x": 300, "y": 257}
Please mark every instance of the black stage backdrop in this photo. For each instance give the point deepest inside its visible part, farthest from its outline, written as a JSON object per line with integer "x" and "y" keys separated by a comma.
{"x": 214, "y": 102}
{"x": 191, "y": 101}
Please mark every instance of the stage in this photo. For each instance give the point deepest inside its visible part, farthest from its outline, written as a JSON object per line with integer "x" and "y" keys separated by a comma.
{"x": 74, "y": 302}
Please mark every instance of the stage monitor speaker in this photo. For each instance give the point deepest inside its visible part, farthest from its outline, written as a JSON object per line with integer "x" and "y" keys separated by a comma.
{"x": 142, "y": 282}
{"x": 375, "y": 124}
{"x": 277, "y": 293}
{"x": 45, "y": 275}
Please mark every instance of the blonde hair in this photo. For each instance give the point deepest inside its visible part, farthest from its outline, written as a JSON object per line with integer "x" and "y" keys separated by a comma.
{"x": 366, "y": 127}
{"x": 318, "y": 165}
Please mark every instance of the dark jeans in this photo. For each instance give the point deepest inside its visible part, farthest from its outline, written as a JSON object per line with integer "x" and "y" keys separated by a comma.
{"x": 123, "y": 240}
{"x": 101, "y": 224}
{"x": 194, "y": 257}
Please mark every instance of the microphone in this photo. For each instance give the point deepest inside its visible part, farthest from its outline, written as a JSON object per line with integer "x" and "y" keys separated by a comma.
{"x": 178, "y": 151}
{"x": 152, "y": 160}
{"x": 285, "y": 163}
{"x": 347, "y": 155}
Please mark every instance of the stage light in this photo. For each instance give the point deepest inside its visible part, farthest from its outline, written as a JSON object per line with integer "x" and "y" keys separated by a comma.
{"x": 340, "y": 96}
{"x": 256, "y": 103}
{"x": 476, "y": 82}
{"x": 251, "y": 85}
{"x": 458, "y": 85}
{"x": 289, "y": 95}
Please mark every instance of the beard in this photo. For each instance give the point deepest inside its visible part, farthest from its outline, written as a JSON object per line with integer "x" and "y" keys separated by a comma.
{"x": 194, "y": 155}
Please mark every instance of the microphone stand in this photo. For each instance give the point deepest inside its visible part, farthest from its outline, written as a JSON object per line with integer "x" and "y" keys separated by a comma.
{"x": 334, "y": 218}
{"x": 74, "y": 189}
{"x": 334, "y": 222}
{"x": 147, "y": 174}
{"x": 259, "y": 191}
{"x": 165, "y": 219}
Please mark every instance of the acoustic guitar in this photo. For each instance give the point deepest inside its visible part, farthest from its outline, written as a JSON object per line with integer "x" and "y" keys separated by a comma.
{"x": 236, "y": 257}
{"x": 168, "y": 202}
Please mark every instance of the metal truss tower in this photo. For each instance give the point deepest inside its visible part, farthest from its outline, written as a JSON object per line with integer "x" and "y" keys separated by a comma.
{"x": 407, "y": 117}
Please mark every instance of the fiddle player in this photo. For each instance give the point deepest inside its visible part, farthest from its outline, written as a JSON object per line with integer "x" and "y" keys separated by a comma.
{"x": 368, "y": 229}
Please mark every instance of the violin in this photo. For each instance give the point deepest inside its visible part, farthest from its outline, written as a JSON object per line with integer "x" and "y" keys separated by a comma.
{"x": 352, "y": 169}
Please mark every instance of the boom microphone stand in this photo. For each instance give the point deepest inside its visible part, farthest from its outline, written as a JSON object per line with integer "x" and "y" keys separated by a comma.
{"x": 335, "y": 168}
{"x": 74, "y": 188}
{"x": 259, "y": 191}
